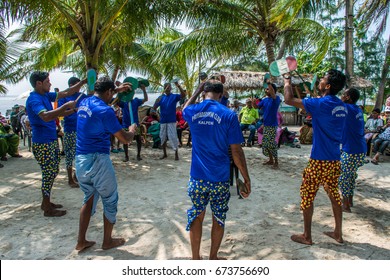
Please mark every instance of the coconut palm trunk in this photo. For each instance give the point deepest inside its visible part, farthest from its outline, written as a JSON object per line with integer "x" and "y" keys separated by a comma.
{"x": 384, "y": 77}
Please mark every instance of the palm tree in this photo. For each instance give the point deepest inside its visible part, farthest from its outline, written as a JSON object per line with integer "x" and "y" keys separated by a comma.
{"x": 89, "y": 24}
{"x": 371, "y": 12}
{"x": 9, "y": 52}
{"x": 225, "y": 29}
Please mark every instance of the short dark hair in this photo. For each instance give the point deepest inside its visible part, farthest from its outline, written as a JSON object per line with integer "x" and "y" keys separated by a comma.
{"x": 37, "y": 76}
{"x": 274, "y": 87}
{"x": 354, "y": 94}
{"x": 213, "y": 86}
{"x": 336, "y": 80}
{"x": 377, "y": 110}
{"x": 73, "y": 80}
{"x": 103, "y": 84}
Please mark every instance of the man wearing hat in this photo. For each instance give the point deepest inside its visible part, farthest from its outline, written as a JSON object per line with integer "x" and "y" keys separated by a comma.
{"x": 42, "y": 118}
{"x": 248, "y": 117}
{"x": 70, "y": 128}
{"x": 14, "y": 118}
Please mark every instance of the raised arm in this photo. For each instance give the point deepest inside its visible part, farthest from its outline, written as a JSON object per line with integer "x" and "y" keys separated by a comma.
{"x": 182, "y": 92}
{"x": 196, "y": 94}
{"x": 143, "y": 88}
{"x": 289, "y": 98}
{"x": 72, "y": 90}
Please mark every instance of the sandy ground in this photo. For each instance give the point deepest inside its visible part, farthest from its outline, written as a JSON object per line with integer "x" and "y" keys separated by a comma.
{"x": 152, "y": 213}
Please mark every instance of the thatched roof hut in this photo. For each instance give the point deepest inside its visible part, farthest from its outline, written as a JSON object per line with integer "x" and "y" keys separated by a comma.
{"x": 247, "y": 81}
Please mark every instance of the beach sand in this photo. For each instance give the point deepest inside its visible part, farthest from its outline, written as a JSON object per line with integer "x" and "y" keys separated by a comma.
{"x": 152, "y": 212}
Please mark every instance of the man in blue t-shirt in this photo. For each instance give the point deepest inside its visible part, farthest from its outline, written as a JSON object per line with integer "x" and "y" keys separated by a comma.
{"x": 354, "y": 147}
{"x": 270, "y": 106}
{"x": 44, "y": 135}
{"x": 126, "y": 120}
{"x": 96, "y": 121}
{"x": 70, "y": 125}
{"x": 167, "y": 103}
{"x": 328, "y": 118}
{"x": 214, "y": 129}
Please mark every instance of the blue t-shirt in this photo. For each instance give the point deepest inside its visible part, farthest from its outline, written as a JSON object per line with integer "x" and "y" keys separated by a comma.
{"x": 70, "y": 122}
{"x": 353, "y": 133}
{"x": 135, "y": 103}
{"x": 42, "y": 132}
{"x": 95, "y": 122}
{"x": 167, "y": 105}
{"x": 328, "y": 117}
{"x": 270, "y": 110}
{"x": 224, "y": 101}
{"x": 213, "y": 129}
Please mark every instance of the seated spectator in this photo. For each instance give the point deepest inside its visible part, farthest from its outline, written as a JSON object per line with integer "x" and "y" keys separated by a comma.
{"x": 3, "y": 119}
{"x": 248, "y": 118}
{"x": 152, "y": 123}
{"x": 306, "y": 132}
{"x": 181, "y": 125}
{"x": 9, "y": 143}
{"x": 236, "y": 107}
{"x": 373, "y": 125}
{"x": 381, "y": 143}
{"x": 151, "y": 116}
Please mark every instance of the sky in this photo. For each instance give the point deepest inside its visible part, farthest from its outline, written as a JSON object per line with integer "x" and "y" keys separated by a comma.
{"x": 60, "y": 78}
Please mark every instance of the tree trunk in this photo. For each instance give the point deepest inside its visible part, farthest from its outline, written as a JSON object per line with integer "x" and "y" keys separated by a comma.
{"x": 349, "y": 39}
{"x": 115, "y": 73}
{"x": 269, "y": 47}
{"x": 282, "y": 49}
{"x": 385, "y": 72}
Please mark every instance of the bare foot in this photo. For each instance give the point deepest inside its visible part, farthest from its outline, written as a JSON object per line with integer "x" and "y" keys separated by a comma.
{"x": 268, "y": 162}
{"x": 275, "y": 166}
{"x": 73, "y": 184}
{"x": 346, "y": 208}
{"x": 54, "y": 213}
{"x": 331, "y": 234}
{"x": 164, "y": 156}
{"x": 84, "y": 245}
{"x": 55, "y": 205}
{"x": 350, "y": 200}
{"x": 52, "y": 205}
{"x": 115, "y": 242}
{"x": 300, "y": 238}
{"x": 218, "y": 258}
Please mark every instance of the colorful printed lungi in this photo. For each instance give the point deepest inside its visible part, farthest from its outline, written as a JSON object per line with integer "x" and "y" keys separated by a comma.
{"x": 350, "y": 164}
{"x": 70, "y": 147}
{"x": 269, "y": 143}
{"x": 201, "y": 192}
{"x": 48, "y": 158}
{"x": 319, "y": 172}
